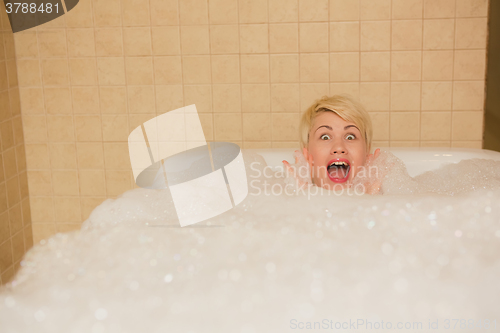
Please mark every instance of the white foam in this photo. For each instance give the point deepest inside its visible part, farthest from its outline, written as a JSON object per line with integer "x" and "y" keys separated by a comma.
{"x": 269, "y": 261}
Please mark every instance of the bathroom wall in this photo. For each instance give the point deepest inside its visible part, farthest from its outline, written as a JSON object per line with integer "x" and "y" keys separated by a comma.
{"x": 251, "y": 66}
{"x": 15, "y": 224}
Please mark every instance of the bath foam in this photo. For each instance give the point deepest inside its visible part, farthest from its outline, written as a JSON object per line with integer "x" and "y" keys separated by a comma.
{"x": 269, "y": 263}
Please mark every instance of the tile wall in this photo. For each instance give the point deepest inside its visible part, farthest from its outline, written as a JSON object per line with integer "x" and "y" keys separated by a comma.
{"x": 15, "y": 219}
{"x": 251, "y": 66}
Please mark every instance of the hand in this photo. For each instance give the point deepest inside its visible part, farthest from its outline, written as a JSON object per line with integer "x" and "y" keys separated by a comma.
{"x": 373, "y": 187}
{"x": 293, "y": 172}
{"x": 371, "y": 157}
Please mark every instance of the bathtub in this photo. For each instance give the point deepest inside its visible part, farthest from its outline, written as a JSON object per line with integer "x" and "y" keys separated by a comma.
{"x": 275, "y": 263}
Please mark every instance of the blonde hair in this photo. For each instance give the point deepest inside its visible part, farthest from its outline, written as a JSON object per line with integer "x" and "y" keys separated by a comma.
{"x": 346, "y": 108}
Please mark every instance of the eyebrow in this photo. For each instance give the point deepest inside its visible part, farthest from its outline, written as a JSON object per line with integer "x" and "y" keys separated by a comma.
{"x": 348, "y": 126}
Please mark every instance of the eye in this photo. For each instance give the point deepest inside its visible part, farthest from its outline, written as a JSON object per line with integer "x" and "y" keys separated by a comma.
{"x": 325, "y": 137}
{"x": 350, "y": 137}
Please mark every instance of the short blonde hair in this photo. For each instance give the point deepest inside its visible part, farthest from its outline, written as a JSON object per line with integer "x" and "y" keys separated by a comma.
{"x": 346, "y": 108}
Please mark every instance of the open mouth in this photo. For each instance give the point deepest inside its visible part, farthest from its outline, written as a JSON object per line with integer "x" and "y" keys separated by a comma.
{"x": 338, "y": 170}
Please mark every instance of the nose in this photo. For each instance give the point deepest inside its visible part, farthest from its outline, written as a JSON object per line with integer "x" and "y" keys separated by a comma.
{"x": 338, "y": 147}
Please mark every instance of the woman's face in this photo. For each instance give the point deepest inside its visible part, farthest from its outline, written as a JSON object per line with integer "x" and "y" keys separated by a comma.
{"x": 337, "y": 150}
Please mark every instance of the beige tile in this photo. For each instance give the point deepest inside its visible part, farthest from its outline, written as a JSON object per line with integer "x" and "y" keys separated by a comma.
{"x": 341, "y": 10}
{"x": 7, "y": 135}
{"x": 224, "y": 39}
{"x": 257, "y": 144}
{"x": 470, "y": 65}
{"x": 62, "y": 155}
{"x": 65, "y": 182}
{"x": 344, "y": 36}
{"x": 28, "y": 72}
{"x": 88, "y": 128}
{"x": 228, "y": 126}
{"x": 285, "y": 126}
{"x": 285, "y": 68}
{"x": 283, "y": 10}
{"x": 15, "y": 101}
{"x": 67, "y": 209}
{"x": 2, "y": 46}
{"x": 26, "y": 44}
{"x": 207, "y": 124}
{"x": 284, "y": 38}
{"x": 256, "y": 98}
{"x": 313, "y": 37}
{"x": 106, "y": 13}
{"x": 139, "y": 70}
{"x": 344, "y": 67}
{"x": 380, "y": 123}
{"x": 471, "y": 33}
{"x": 116, "y": 156}
{"x": 167, "y": 70}
{"x": 82, "y": 17}
{"x": 225, "y": 69}
{"x": 254, "y": 68}
{"x": 314, "y": 67}
{"x": 195, "y": 39}
{"x": 467, "y": 144}
{"x": 407, "y": 35}
{"x": 88, "y": 204}
{"x": 468, "y": 95}
{"x": 435, "y": 126}
{"x": 193, "y": 12}
{"x": 109, "y": 42}
{"x": 40, "y": 183}
{"x": 293, "y": 144}
{"x": 310, "y": 92}
{"x": 58, "y": 100}
{"x": 406, "y": 65}
{"x": 141, "y": 99}
{"x": 257, "y": 126}
{"x": 437, "y": 65}
{"x": 113, "y": 99}
{"x": 201, "y": 95}
{"x": 472, "y": 8}
{"x": 60, "y": 128}
{"x": 196, "y": 69}
{"x": 285, "y": 98}
{"x": 407, "y": 9}
{"x": 375, "y": 9}
{"x": 6, "y": 256}
{"x": 253, "y": 11}
{"x": 3, "y": 195}
{"x": 313, "y": 10}
{"x": 405, "y": 96}
{"x": 81, "y": 42}
{"x": 111, "y": 71}
{"x": 35, "y": 128}
{"x": 436, "y": 144}
{"x": 439, "y": 34}
{"x": 5, "y": 111}
{"x": 18, "y": 246}
{"x": 412, "y": 144}
{"x": 28, "y": 236}
{"x": 375, "y": 36}
{"x": 135, "y": 13}
{"x": 166, "y": 40}
{"x": 32, "y": 100}
{"x": 13, "y": 191}
{"x": 168, "y": 98}
{"x": 89, "y": 155}
{"x": 254, "y": 38}
{"x": 55, "y": 71}
{"x": 10, "y": 165}
{"x": 375, "y": 66}
{"x": 9, "y": 47}
{"x": 4, "y": 82}
{"x": 439, "y": 8}
{"x": 375, "y": 96}
{"x": 4, "y": 227}
{"x": 114, "y": 128}
{"x": 223, "y": 11}
{"x": 436, "y": 96}
{"x": 12, "y": 72}
{"x": 467, "y": 126}
{"x": 92, "y": 182}
{"x": 346, "y": 88}
{"x": 137, "y": 41}
{"x": 83, "y": 71}
{"x": 164, "y": 12}
{"x": 227, "y": 98}
{"x": 52, "y": 43}
{"x": 405, "y": 126}
{"x": 85, "y": 99}
{"x": 17, "y": 127}
{"x": 117, "y": 182}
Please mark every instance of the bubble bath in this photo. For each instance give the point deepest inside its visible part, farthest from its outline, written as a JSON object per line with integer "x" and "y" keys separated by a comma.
{"x": 425, "y": 252}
